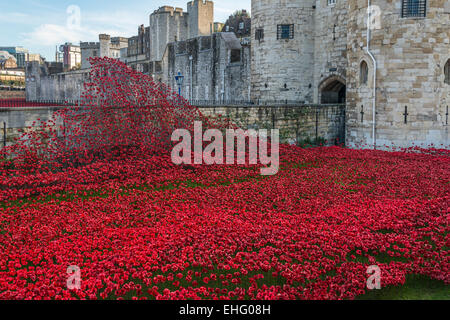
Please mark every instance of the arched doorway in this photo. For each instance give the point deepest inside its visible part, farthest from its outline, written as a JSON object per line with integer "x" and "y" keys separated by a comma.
{"x": 332, "y": 90}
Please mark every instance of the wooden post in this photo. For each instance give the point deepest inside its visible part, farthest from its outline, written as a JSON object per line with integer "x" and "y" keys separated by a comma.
{"x": 4, "y": 134}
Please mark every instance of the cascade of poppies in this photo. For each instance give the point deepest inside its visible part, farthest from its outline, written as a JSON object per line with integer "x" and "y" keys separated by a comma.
{"x": 122, "y": 114}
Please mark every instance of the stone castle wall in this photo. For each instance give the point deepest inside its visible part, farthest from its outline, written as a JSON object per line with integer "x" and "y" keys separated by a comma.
{"x": 42, "y": 86}
{"x": 283, "y": 68}
{"x": 330, "y": 45}
{"x": 211, "y": 74}
{"x": 297, "y": 124}
{"x": 411, "y": 54}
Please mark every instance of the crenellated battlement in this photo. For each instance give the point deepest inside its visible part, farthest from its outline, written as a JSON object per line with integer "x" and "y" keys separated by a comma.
{"x": 89, "y": 45}
{"x": 196, "y": 3}
{"x": 169, "y": 24}
{"x": 169, "y": 10}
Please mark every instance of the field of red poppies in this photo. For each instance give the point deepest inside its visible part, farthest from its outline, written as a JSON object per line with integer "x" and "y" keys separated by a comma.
{"x": 225, "y": 232}
{"x": 100, "y": 196}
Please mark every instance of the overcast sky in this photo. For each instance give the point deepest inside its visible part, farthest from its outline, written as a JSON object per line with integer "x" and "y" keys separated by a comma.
{"x": 40, "y": 25}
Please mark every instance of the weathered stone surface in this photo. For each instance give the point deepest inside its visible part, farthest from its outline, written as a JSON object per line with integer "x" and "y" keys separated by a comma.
{"x": 209, "y": 71}
{"x": 283, "y": 68}
{"x": 410, "y": 54}
{"x": 297, "y": 124}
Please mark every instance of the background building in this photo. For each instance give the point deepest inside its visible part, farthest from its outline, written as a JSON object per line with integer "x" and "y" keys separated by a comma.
{"x": 10, "y": 75}
{"x": 71, "y": 56}
{"x": 240, "y": 23}
{"x": 137, "y": 54}
{"x": 35, "y": 57}
{"x": 20, "y": 53}
{"x": 106, "y": 47}
{"x": 218, "y": 26}
{"x": 7, "y": 61}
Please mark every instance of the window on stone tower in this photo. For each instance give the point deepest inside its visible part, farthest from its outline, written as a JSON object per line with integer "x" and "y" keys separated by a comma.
{"x": 414, "y": 8}
{"x": 331, "y": 2}
{"x": 447, "y": 72}
{"x": 363, "y": 73}
{"x": 235, "y": 55}
{"x": 285, "y": 31}
{"x": 259, "y": 34}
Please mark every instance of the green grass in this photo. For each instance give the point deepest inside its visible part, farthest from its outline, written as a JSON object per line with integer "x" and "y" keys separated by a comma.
{"x": 416, "y": 287}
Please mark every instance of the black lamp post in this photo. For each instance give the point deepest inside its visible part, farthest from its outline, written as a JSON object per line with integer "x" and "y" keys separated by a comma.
{"x": 179, "y": 80}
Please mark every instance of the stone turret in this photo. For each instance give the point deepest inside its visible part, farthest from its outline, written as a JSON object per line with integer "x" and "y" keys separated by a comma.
{"x": 105, "y": 41}
{"x": 200, "y": 18}
{"x": 167, "y": 24}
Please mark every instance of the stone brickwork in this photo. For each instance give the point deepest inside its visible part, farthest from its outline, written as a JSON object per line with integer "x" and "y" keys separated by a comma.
{"x": 283, "y": 68}
{"x": 410, "y": 54}
{"x": 16, "y": 121}
{"x": 321, "y": 63}
{"x": 42, "y": 85}
{"x": 209, "y": 70}
{"x": 330, "y": 48}
{"x": 167, "y": 24}
{"x": 297, "y": 124}
{"x": 200, "y": 18}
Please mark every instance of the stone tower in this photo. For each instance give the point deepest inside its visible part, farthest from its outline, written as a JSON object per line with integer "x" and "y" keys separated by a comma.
{"x": 282, "y": 50}
{"x": 200, "y": 18}
{"x": 167, "y": 24}
{"x": 330, "y": 51}
{"x": 105, "y": 41}
{"x": 410, "y": 45}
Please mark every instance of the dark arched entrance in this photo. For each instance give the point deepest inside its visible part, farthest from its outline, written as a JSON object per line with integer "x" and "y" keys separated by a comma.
{"x": 332, "y": 90}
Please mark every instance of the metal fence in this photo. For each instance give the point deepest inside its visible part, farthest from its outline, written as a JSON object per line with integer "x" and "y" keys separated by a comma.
{"x": 198, "y": 103}
{"x": 247, "y": 103}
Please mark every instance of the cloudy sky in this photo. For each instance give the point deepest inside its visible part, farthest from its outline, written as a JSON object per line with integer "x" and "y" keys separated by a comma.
{"x": 40, "y": 25}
